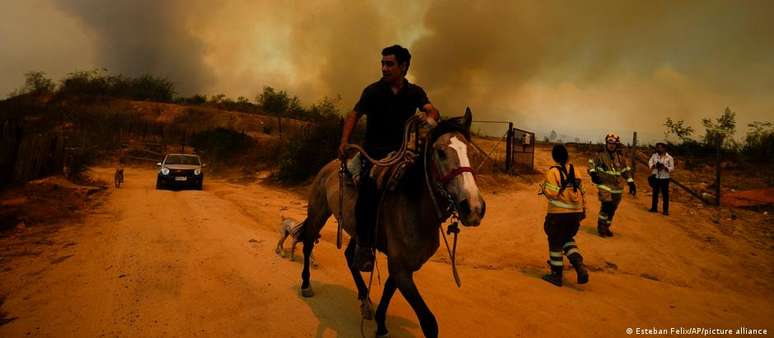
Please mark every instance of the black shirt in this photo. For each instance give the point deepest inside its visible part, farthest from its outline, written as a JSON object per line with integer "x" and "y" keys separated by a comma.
{"x": 387, "y": 114}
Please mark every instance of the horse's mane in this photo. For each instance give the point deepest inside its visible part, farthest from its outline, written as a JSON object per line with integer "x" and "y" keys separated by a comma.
{"x": 455, "y": 124}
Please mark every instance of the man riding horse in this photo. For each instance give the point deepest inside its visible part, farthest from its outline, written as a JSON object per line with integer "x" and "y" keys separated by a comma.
{"x": 388, "y": 103}
{"x": 440, "y": 184}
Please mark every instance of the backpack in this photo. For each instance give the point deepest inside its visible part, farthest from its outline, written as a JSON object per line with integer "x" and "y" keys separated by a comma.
{"x": 567, "y": 179}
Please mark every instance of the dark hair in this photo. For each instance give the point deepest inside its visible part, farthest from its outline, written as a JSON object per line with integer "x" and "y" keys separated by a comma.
{"x": 661, "y": 144}
{"x": 402, "y": 55}
{"x": 561, "y": 156}
{"x": 559, "y": 153}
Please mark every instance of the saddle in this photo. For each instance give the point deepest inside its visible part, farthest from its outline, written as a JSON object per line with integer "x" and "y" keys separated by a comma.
{"x": 385, "y": 177}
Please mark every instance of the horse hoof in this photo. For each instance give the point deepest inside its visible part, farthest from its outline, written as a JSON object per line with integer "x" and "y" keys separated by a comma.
{"x": 307, "y": 292}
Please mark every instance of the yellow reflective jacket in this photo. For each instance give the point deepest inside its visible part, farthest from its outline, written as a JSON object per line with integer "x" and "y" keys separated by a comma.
{"x": 562, "y": 200}
{"x": 612, "y": 171}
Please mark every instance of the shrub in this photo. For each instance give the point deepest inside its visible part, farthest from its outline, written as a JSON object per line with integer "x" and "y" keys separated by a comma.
{"x": 220, "y": 144}
{"x": 759, "y": 142}
{"x": 304, "y": 155}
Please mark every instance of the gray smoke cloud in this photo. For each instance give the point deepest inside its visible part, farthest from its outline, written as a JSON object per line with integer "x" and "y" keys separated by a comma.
{"x": 136, "y": 37}
{"x": 581, "y": 68}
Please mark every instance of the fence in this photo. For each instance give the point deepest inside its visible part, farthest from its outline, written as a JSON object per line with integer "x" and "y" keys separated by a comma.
{"x": 513, "y": 152}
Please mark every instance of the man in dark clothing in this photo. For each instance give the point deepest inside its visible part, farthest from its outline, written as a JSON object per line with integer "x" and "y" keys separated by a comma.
{"x": 388, "y": 104}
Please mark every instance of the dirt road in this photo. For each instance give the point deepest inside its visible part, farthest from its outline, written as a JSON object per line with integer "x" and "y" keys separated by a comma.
{"x": 151, "y": 263}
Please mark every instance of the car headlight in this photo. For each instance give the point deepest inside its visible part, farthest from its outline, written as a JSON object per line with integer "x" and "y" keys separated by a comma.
{"x": 164, "y": 171}
{"x": 197, "y": 171}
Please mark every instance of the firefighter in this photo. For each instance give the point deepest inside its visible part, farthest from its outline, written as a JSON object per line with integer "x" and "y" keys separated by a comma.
{"x": 608, "y": 170}
{"x": 566, "y": 208}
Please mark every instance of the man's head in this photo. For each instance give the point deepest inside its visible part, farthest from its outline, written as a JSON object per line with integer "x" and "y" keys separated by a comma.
{"x": 560, "y": 154}
{"x": 612, "y": 141}
{"x": 395, "y": 63}
{"x": 660, "y": 148}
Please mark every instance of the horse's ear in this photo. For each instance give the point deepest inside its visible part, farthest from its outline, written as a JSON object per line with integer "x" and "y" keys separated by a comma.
{"x": 467, "y": 120}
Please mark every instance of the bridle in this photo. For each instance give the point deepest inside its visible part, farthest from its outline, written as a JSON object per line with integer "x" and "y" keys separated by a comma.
{"x": 451, "y": 207}
{"x": 454, "y": 173}
{"x": 439, "y": 185}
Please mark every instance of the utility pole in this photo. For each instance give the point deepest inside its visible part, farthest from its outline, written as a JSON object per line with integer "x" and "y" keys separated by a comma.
{"x": 634, "y": 153}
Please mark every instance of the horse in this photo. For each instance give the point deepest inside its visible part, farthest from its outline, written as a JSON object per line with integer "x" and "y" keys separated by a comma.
{"x": 408, "y": 220}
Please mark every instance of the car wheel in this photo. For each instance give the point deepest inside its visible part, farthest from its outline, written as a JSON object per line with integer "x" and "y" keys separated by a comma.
{"x": 158, "y": 184}
{"x": 199, "y": 186}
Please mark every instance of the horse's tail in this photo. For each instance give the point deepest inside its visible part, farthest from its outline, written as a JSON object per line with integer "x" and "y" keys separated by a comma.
{"x": 318, "y": 209}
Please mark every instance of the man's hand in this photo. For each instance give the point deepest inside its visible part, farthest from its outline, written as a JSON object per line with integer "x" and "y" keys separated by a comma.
{"x": 424, "y": 117}
{"x": 632, "y": 189}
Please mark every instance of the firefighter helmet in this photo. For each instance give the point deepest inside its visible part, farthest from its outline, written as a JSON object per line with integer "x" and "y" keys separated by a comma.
{"x": 612, "y": 138}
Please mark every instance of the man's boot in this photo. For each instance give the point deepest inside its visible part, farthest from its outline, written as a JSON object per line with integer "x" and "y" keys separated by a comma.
{"x": 364, "y": 258}
{"x": 577, "y": 262}
{"x": 602, "y": 230}
{"x": 555, "y": 277}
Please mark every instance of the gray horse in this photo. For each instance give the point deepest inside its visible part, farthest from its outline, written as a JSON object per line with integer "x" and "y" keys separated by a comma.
{"x": 408, "y": 222}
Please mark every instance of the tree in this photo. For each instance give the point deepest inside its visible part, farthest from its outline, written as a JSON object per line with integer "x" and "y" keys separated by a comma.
{"x": 36, "y": 83}
{"x": 678, "y": 129}
{"x": 759, "y": 142}
{"x": 722, "y": 128}
{"x": 275, "y": 102}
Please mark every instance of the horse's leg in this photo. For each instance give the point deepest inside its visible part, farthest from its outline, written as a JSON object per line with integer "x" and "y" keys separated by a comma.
{"x": 362, "y": 289}
{"x": 408, "y": 289}
{"x": 381, "y": 311}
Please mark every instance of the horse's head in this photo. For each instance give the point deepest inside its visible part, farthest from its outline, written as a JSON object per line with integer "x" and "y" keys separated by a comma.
{"x": 452, "y": 169}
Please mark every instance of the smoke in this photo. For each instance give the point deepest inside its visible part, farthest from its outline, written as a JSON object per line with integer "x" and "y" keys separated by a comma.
{"x": 137, "y": 37}
{"x": 581, "y": 68}
{"x": 585, "y": 67}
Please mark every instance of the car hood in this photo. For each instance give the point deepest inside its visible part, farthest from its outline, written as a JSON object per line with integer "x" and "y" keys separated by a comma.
{"x": 183, "y": 166}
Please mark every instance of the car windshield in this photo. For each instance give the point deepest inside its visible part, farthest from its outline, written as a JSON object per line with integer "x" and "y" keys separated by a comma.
{"x": 182, "y": 159}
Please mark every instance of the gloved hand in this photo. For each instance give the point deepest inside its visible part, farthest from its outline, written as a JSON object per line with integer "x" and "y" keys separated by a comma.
{"x": 595, "y": 178}
{"x": 427, "y": 119}
{"x": 632, "y": 189}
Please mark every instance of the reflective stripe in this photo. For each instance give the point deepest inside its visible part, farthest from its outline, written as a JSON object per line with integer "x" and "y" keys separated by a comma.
{"x": 555, "y": 254}
{"x": 572, "y": 251}
{"x": 568, "y": 244}
{"x": 563, "y": 205}
{"x": 602, "y": 217}
{"x": 630, "y": 180}
{"x": 606, "y": 188}
{"x": 556, "y": 263}
{"x": 550, "y": 186}
{"x": 626, "y": 169}
{"x": 592, "y": 170}
{"x": 611, "y": 172}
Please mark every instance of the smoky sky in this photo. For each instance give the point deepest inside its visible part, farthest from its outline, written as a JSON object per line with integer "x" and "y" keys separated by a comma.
{"x": 582, "y": 68}
{"x": 144, "y": 37}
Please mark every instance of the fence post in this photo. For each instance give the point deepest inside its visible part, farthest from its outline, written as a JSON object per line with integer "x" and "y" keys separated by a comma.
{"x": 718, "y": 149}
{"x": 634, "y": 153}
{"x": 509, "y": 148}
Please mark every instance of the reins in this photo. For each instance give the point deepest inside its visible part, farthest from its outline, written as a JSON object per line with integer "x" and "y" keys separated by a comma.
{"x": 404, "y": 155}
